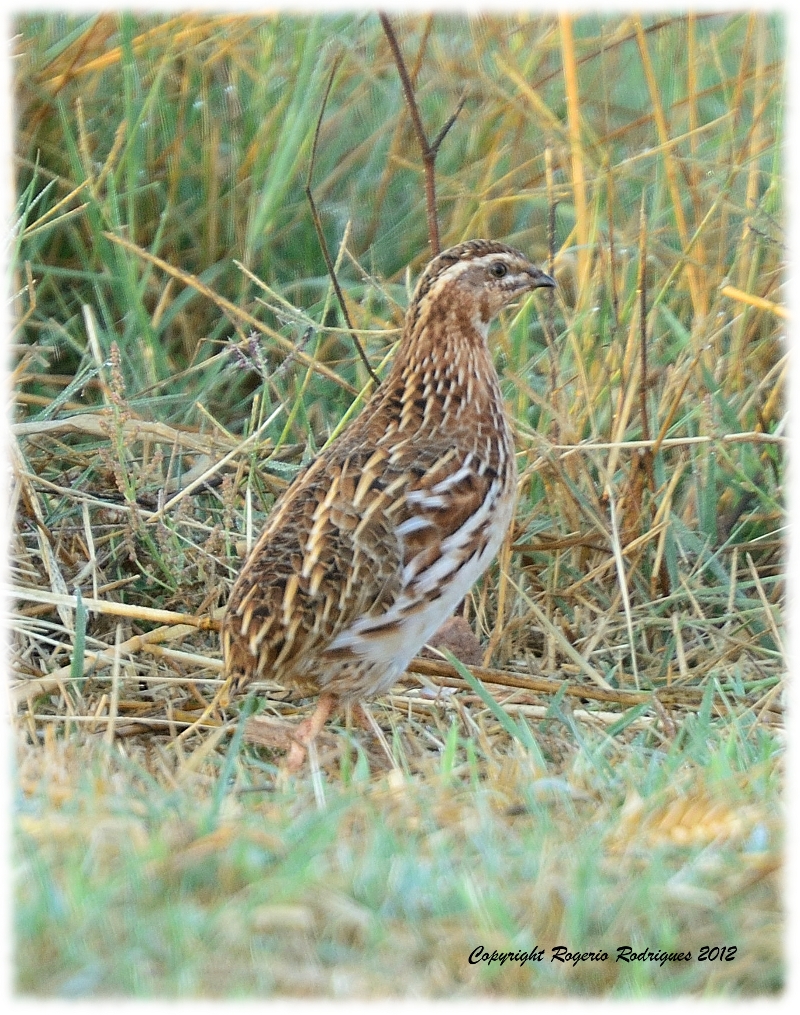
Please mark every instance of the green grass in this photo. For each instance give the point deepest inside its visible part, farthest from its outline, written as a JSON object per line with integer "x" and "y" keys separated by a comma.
{"x": 175, "y": 320}
{"x": 393, "y": 885}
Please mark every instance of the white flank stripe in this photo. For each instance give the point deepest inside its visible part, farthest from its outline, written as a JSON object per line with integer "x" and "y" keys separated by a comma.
{"x": 395, "y": 647}
{"x": 412, "y": 525}
{"x": 425, "y": 499}
{"x": 453, "y": 480}
{"x": 452, "y": 548}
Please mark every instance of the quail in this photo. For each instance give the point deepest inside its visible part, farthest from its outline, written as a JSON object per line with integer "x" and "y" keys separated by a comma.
{"x": 374, "y": 544}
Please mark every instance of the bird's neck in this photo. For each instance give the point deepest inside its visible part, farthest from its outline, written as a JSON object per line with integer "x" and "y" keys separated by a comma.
{"x": 443, "y": 373}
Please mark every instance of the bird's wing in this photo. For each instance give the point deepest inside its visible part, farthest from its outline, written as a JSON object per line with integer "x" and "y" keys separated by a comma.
{"x": 364, "y": 540}
{"x": 328, "y": 555}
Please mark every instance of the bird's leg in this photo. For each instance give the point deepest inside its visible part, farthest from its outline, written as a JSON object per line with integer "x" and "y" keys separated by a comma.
{"x": 308, "y": 729}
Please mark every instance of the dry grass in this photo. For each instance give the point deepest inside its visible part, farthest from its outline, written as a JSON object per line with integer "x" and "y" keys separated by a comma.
{"x": 614, "y": 775}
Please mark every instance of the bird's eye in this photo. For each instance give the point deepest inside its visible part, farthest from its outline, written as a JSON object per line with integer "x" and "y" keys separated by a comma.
{"x": 498, "y": 269}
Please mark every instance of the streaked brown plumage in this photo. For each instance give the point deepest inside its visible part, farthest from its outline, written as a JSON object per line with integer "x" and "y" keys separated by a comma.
{"x": 374, "y": 544}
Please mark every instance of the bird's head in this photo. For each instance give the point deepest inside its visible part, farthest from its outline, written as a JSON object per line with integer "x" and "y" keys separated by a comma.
{"x": 483, "y": 274}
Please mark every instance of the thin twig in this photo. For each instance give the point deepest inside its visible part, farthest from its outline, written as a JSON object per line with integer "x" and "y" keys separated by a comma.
{"x": 133, "y": 611}
{"x": 113, "y": 706}
{"x": 321, "y": 235}
{"x": 752, "y": 437}
{"x": 642, "y": 287}
{"x": 616, "y": 547}
{"x": 647, "y": 454}
{"x": 448, "y": 676}
{"x": 612, "y": 261}
{"x": 547, "y": 320}
{"x": 395, "y": 143}
{"x": 367, "y": 713}
{"x": 437, "y": 141}
{"x": 576, "y": 150}
{"x": 428, "y": 149}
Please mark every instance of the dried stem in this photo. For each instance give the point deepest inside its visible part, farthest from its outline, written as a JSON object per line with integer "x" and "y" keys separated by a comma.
{"x": 642, "y": 292}
{"x": 697, "y": 288}
{"x": 395, "y": 143}
{"x": 576, "y": 150}
{"x": 612, "y": 260}
{"x": 547, "y": 321}
{"x": 429, "y": 149}
{"x": 648, "y": 457}
{"x": 321, "y": 235}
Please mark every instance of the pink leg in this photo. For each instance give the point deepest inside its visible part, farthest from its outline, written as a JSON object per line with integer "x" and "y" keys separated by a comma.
{"x": 362, "y": 719}
{"x": 307, "y": 731}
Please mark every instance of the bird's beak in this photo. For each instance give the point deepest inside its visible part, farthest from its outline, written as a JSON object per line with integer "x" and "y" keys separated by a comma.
{"x": 540, "y": 279}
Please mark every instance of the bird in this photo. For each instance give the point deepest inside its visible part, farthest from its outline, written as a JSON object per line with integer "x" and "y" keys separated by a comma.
{"x": 377, "y": 540}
